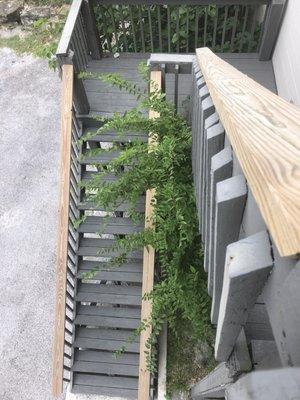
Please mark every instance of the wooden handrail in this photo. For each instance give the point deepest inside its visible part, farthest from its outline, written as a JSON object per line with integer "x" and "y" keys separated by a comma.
{"x": 63, "y": 46}
{"x": 264, "y": 131}
{"x": 148, "y": 269}
{"x": 62, "y": 247}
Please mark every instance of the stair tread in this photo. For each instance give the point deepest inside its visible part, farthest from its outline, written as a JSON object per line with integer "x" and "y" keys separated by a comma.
{"x": 104, "y": 157}
{"x": 112, "y": 294}
{"x": 115, "y": 312}
{"x": 105, "y": 381}
{"x": 105, "y": 391}
{"x": 110, "y": 225}
{"x": 106, "y": 368}
{"x": 103, "y": 248}
{"x": 108, "y": 334}
{"x": 114, "y": 136}
{"x": 86, "y": 204}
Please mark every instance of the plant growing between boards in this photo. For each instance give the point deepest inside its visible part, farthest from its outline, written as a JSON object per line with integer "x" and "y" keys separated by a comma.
{"x": 179, "y": 293}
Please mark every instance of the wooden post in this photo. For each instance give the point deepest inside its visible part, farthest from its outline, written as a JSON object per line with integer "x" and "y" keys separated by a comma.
{"x": 148, "y": 269}
{"x": 271, "y": 28}
{"x": 62, "y": 247}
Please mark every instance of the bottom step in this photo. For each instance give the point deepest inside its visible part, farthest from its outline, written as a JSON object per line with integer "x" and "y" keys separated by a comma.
{"x": 105, "y": 385}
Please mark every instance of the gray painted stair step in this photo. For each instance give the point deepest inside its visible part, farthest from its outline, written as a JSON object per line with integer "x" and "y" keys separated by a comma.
{"x": 106, "y": 381}
{"x": 98, "y": 177}
{"x": 121, "y": 206}
{"x": 110, "y": 317}
{"x": 105, "y": 368}
{"x": 105, "y": 391}
{"x": 102, "y": 158}
{"x": 127, "y": 267}
{"x": 107, "y": 356}
{"x": 112, "y": 275}
{"x": 106, "y": 345}
{"x": 110, "y": 225}
{"x": 103, "y": 248}
{"x": 114, "y": 136}
{"x": 113, "y": 294}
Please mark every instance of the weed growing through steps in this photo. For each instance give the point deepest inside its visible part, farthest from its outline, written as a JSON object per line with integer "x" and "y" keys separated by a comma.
{"x": 180, "y": 293}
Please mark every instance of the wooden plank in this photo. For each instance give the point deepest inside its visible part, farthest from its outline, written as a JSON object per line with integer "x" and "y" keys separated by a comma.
{"x": 221, "y": 169}
{"x": 62, "y": 247}
{"x": 104, "y": 356}
{"x": 229, "y": 208}
{"x": 213, "y": 385}
{"x": 271, "y": 28}
{"x": 247, "y": 267}
{"x": 148, "y": 268}
{"x": 277, "y": 384}
{"x": 282, "y": 299}
{"x": 239, "y": 360}
{"x": 264, "y": 131}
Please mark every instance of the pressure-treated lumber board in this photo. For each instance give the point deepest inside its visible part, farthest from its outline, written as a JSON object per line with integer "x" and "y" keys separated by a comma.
{"x": 148, "y": 269}
{"x": 62, "y": 247}
{"x": 264, "y": 131}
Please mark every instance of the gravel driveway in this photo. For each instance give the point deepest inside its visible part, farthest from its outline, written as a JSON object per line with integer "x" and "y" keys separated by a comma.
{"x": 29, "y": 165}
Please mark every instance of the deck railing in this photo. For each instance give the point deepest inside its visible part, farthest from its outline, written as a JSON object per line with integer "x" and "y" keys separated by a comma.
{"x": 67, "y": 235}
{"x": 246, "y": 158}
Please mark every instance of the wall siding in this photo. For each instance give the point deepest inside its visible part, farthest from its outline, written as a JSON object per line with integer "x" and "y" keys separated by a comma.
{"x": 286, "y": 59}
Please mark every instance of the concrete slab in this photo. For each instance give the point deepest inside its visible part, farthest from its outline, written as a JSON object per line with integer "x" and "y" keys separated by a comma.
{"x": 29, "y": 165}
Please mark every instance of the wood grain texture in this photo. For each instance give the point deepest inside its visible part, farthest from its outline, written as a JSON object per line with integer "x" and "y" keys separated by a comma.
{"x": 62, "y": 246}
{"x": 264, "y": 131}
{"x": 148, "y": 270}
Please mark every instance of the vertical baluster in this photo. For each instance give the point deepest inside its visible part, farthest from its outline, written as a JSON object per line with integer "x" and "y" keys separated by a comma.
{"x": 81, "y": 47}
{"x": 205, "y": 27}
{"x": 196, "y": 27}
{"x": 187, "y": 28}
{"x": 244, "y": 29}
{"x": 83, "y": 35}
{"x": 230, "y": 203}
{"x": 213, "y": 143}
{"x": 163, "y": 78}
{"x": 215, "y": 28}
{"x": 253, "y": 25}
{"x": 123, "y": 28}
{"x": 169, "y": 28}
{"x": 142, "y": 28}
{"x": 159, "y": 28}
{"x": 106, "y": 34}
{"x": 150, "y": 29}
{"x": 224, "y": 28}
{"x": 114, "y": 27}
{"x": 221, "y": 169}
{"x": 177, "y": 29}
{"x": 176, "y": 87}
{"x": 133, "y": 29}
{"x": 235, "y": 21}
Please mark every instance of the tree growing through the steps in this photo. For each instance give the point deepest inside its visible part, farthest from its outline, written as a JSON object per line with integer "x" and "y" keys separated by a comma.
{"x": 180, "y": 291}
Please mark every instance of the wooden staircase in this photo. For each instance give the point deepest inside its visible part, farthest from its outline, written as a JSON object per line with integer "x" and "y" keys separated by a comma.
{"x": 99, "y": 306}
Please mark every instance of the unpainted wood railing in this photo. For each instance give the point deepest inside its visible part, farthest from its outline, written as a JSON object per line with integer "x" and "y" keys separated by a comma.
{"x": 246, "y": 166}
{"x": 67, "y": 235}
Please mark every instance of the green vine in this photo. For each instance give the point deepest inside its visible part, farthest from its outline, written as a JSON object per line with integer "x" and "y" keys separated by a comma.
{"x": 180, "y": 293}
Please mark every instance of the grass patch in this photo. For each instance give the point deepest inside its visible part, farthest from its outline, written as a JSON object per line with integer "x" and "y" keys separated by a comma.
{"x": 189, "y": 358}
